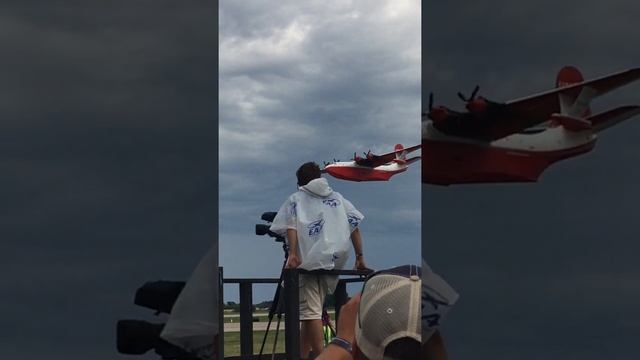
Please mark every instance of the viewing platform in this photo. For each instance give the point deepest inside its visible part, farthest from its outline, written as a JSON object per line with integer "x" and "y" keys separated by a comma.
{"x": 290, "y": 310}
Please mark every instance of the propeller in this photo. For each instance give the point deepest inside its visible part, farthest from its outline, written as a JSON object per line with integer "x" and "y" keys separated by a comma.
{"x": 438, "y": 113}
{"x": 472, "y": 97}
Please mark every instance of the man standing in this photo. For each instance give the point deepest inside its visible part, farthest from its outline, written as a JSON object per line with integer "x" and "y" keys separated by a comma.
{"x": 318, "y": 224}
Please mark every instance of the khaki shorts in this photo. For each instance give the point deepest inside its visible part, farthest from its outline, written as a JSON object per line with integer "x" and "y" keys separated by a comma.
{"x": 312, "y": 291}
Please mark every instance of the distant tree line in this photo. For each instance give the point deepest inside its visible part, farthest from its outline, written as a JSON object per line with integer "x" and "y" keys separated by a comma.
{"x": 232, "y": 305}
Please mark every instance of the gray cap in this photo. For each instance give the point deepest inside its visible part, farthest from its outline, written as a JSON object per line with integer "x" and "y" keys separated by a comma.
{"x": 389, "y": 310}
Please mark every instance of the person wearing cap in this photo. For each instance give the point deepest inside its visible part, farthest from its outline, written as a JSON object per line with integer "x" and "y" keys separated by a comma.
{"x": 384, "y": 321}
{"x": 321, "y": 227}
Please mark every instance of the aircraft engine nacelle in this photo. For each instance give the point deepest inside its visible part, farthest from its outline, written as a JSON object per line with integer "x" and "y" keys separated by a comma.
{"x": 481, "y": 108}
{"x": 477, "y": 106}
{"x": 439, "y": 114}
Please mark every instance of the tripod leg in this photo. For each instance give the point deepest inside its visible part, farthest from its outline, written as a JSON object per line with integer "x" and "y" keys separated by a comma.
{"x": 264, "y": 339}
{"x": 275, "y": 342}
{"x": 274, "y": 309}
{"x": 275, "y": 304}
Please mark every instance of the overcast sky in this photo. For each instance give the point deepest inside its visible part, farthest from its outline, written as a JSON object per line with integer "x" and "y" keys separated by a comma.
{"x": 108, "y": 163}
{"x": 546, "y": 270}
{"x": 313, "y": 81}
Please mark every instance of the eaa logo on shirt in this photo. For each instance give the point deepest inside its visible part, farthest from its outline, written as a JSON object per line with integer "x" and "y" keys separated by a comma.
{"x": 315, "y": 227}
{"x": 432, "y": 310}
{"x": 292, "y": 209}
{"x": 353, "y": 220}
{"x": 331, "y": 202}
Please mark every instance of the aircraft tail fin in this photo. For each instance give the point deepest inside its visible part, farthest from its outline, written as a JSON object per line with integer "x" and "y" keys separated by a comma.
{"x": 568, "y": 75}
{"x": 607, "y": 119}
{"x": 401, "y": 154}
{"x": 576, "y": 102}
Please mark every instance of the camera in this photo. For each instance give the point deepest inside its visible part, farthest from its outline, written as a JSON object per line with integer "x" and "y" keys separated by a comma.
{"x": 263, "y": 229}
{"x": 136, "y": 337}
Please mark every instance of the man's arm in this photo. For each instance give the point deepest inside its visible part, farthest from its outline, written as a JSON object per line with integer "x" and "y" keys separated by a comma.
{"x": 434, "y": 348}
{"x": 293, "y": 260}
{"x": 333, "y": 352}
{"x": 356, "y": 240}
{"x": 346, "y": 331}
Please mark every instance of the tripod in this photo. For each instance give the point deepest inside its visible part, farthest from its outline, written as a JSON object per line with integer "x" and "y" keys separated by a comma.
{"x": 276, "y": 306}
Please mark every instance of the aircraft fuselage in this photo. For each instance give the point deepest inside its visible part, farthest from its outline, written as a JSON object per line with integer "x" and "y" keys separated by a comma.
{"x": 519, "y": 157}
{"x": 349, "y": 170}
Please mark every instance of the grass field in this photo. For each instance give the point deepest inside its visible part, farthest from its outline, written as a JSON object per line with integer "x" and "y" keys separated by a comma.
{"x": 264, "y": 317}
{"x": 232, "y": 342}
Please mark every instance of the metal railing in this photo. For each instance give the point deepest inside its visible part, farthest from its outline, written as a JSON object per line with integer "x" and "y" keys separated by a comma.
{"x": 291, "y": 308}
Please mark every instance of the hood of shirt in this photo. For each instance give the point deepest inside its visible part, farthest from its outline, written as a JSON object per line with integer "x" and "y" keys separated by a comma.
{"x": 318, "y": 187}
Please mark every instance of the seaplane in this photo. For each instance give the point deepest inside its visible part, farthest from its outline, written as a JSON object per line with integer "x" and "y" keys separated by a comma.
{"x": 515, "y": 141}
{"x": 371, "y": 167}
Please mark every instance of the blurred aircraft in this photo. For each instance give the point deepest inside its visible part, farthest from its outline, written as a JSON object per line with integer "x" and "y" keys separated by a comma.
{"x": 373, "y": 167}
{"x": 517, "y": 140}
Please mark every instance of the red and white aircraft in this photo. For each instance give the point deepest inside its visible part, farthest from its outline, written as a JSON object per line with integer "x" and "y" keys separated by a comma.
{"x": 517, "y": 140}
{"x": 373, "y": 167}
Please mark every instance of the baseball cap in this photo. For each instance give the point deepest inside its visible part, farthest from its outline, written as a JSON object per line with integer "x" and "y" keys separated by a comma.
{"x": 389, "y": 310}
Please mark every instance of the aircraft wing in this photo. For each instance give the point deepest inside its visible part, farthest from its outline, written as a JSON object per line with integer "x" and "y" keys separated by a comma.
{"x": 377, "y": 160}
{"x": 612, "y": 117}
{"x": 520, "y": 114}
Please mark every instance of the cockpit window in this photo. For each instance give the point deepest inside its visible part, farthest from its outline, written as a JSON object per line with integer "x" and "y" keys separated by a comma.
{"x": 532, "y": 131}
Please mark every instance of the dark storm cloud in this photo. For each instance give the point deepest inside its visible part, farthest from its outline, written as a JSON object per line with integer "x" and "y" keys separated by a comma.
{"x": 536, "y": 39}
{"x": 545, "y": 270}
{"x": 108, "y": 158}
{"x": 104, "y": 66}
{"x": 315, "y": 80}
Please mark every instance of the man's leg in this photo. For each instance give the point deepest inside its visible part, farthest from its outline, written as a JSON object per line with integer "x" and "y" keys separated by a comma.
{"x": 311, "y": 301}
{"x": 311, "y": 337}
{"x": 305, "y": 345}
